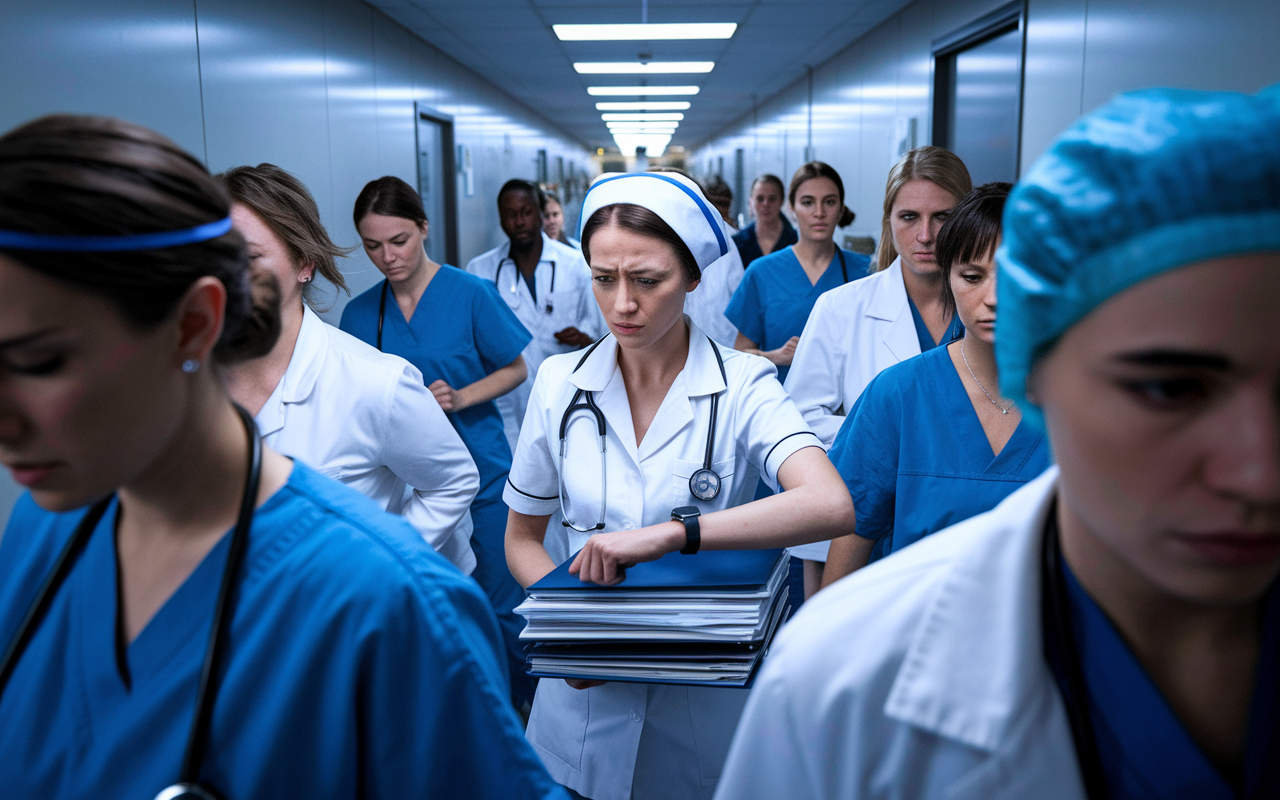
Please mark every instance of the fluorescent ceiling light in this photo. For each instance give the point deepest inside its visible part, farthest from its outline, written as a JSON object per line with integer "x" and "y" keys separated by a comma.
{"x": 636, "y": 68}
{"x": 649, "y": 32}
{"x": 645, "y": 105}
{"x": 616, "y": 131}
{"x": 666, "y": 126}
{"x": 640, "y": 91}
{"x": 672, "y": 117}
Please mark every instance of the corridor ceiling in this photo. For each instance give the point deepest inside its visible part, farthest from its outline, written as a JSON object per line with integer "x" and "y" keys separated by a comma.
{"x": 510, "y": 42}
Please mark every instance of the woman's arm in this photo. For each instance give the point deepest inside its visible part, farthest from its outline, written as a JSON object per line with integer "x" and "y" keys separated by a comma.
{"x": 847, "y": 555}
{"x": 495, "y": 384}
{"x": 815, "y": 506}
{"x": 526, "y": 555}
{"x": 780, "y": 357}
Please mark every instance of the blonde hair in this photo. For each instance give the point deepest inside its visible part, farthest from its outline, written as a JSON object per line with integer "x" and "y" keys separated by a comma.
{"x": 934, "y": 164}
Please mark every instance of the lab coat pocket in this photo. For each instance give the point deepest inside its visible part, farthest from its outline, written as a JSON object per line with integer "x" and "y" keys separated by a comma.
{"x": 558, "y": 723}
{"x": 682, "y": 492}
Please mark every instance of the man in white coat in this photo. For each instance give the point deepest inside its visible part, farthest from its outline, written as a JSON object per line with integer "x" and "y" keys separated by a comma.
{"x": 546, "y": 283}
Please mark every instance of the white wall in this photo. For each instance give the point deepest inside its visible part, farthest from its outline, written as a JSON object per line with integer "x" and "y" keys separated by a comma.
{"x": 323, "y": 88}
{"x": 1078, "y": 54}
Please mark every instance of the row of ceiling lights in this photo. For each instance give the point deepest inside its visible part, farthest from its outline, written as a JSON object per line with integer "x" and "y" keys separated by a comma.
{"x": 653, "y": 131}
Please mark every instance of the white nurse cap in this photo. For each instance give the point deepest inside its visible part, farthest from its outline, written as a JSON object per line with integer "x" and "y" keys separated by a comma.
{"x": 677, "y": 200}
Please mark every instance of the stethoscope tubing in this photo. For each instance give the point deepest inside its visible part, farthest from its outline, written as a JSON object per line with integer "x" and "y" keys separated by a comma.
{"x": 515, "y": 284}
{"x": 197, "y": 737}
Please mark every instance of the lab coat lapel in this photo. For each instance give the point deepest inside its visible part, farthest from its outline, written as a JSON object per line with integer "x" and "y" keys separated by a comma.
{"x": 598, "y": 372}
{"x": 989, "y": 623}
{"x": 300, "y": 377}
{"x": 700, "y": 377}
{"x": 889, "y": 307}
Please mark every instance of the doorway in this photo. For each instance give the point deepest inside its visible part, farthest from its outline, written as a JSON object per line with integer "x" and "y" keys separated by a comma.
{"x": 977, "y": 107}
{"x": 437, "y": 183}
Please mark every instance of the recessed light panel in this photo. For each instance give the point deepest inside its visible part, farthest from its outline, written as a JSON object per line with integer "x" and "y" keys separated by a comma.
{"x": 636, "y": 68}
{"x": 673, "y": 117}
{"x": 640, "y": 91}
{"x": 646, "y": 105}
{"x": 651, "y": 32}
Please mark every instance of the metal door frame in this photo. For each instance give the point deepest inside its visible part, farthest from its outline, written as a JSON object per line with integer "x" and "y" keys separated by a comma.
{"x": 448, "y": 165}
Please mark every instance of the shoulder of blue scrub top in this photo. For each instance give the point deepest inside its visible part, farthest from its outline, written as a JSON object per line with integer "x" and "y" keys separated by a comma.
{"x": 745, "y": 235}
{"x": 363, "y": 304}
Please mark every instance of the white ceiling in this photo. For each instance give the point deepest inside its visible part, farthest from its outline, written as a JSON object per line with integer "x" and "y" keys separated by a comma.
{"x": 510, "y": 43}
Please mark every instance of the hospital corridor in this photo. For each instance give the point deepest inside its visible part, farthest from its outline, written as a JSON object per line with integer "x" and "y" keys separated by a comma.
{"x": 604, "y": 399}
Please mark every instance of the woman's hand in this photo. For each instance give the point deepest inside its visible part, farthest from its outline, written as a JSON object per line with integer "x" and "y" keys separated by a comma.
{"x": 605, "y": 557}
{"x": 573, "y": 337}
{"x": 449, "y": 398}
{"x": 783, "y": 355}
{"x": 583, "y": 683}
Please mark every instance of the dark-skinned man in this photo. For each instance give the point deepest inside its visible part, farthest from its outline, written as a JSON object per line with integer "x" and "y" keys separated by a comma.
{"x": 547, "y": 284}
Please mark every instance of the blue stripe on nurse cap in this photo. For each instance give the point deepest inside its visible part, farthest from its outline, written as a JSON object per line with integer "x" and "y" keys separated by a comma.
{"x": 676, "y": 199}
{"x": 57, "y": 243}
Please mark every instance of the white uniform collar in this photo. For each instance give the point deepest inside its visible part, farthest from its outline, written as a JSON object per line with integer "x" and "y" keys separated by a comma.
{"x": 890, "y": 297}
{"x": 702, "y": 374}
{"x": 986, "y": 614}
{"x": 548, "y": 249}
{"x": 300, "y": 377}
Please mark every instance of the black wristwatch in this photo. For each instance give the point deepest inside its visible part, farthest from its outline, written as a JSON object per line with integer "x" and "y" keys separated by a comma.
{"x": 692, "y": 532}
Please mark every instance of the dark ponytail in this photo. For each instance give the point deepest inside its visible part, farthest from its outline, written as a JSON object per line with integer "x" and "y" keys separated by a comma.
{"x": 84, "y": 176}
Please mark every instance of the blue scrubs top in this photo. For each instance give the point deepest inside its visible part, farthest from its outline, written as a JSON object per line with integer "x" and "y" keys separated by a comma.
{"x": 954, "y": 331}
{"x": 1144, "y": 748}
{"x": 749, "y": 246}
{"x": 360, "y": 664}
{"x": 461, "y": 331}
{"x": 916, "y": 460}
{"x": 774, "y": 300}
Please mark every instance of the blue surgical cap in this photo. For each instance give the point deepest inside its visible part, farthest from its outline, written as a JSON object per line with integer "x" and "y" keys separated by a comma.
{"x": 1153, "y": 180}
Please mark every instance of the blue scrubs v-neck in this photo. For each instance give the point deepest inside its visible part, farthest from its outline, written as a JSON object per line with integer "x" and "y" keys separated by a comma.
{"x": 1144, "y": 748}
{"x": 916, "y": 460}
{"x": 954, "y": 330}
{"x": 775, "y": 298}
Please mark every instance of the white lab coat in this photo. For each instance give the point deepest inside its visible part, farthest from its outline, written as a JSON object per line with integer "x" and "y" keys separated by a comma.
{"x": 572, "y": 304}
{"x": 625, "y": 740}
{"x": 855, "y": 332}
{"x": 365, "y": 419}
{"x": 705, "y": 305}
{"x": 920, "y": 676}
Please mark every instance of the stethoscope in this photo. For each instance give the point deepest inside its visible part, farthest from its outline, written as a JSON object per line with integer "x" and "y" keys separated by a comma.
{"x": 704, "y": 484}
{"x": 188, "y": 786}
{"x": 1060, "y": 649}
{"x": 515, "y": 280}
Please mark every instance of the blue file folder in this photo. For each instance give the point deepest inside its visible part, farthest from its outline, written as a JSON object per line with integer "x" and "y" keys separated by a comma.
{"x": 724, "y": 570}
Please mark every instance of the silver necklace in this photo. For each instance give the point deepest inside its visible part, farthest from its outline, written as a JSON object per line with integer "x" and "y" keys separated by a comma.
{"x": 1003, "y": 409}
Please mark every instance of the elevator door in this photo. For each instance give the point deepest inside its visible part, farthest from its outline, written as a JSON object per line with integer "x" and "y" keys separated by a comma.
{"x": 985, "y": 110}
{"x": 431, "y": 175}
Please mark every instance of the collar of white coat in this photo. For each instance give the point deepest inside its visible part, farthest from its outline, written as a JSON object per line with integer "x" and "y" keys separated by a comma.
{"x": 891, "y": 294}
{"x": 300, "y": 376}
{"x": 976, "y": 661}
{"x": 701, "y": 368}
{"x": 548, "y": 250}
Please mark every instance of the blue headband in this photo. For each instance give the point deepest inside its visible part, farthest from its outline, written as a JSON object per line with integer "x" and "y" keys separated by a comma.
{"x": 22, "y": 240}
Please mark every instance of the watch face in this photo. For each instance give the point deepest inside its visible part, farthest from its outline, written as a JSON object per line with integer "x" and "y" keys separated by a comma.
{"x": 685, "y": 511}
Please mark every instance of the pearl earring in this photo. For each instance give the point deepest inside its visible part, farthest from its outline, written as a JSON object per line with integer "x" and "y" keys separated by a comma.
{"x": 306, "y": 278}
{"x": 190, "y": 365}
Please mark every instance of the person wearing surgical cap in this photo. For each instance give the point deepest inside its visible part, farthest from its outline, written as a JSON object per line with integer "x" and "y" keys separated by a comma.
{"x": 688, "y": 428}
{"x": 1112, "y": 629}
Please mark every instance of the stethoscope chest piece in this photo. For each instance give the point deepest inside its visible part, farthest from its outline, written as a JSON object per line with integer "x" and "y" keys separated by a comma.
{"x": 704, "y": 484}
{"x": 186, "y": 791}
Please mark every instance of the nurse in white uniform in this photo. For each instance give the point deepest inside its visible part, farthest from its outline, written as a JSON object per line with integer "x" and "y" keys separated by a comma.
{"x": 1112, "y": 629}
{"x": 685, "y": 423}
{"x": 546, "y": 283}
{"x": 857, "y": 330}
{"x": 328, "y": 399}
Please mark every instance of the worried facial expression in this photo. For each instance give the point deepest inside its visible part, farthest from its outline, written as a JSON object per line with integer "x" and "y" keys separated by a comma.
{"x": 915, "y": 219}
{"x": 640, "y": 285}
{"x": 394, "y": 245}
{"x": 268, "y": 253}
{"x": 973, "y": 286}
{"x": 1163, "y": 406}
{"x": 87, "y": 400}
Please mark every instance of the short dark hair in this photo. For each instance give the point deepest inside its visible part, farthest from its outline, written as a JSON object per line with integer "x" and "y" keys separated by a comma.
{"x": 771, "y": 179}
{"x": 970, "y": 233}
{"x": 389, "y": 196}
{"x": 93, "y": 176}
{"x": 289, "y": 210}
{"x": 521, "y": 185}
{"x": 820, "y": 169}
{"x": 642, "y": 221}
{"x": 717, "y": 191}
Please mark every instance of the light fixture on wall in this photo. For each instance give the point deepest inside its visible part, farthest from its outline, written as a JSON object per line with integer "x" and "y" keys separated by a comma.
{"x": 639, "y": 68}
{"x": 650, "y": 32}
{"x": 640, "y": 91}
{"x": 646, "y": 105}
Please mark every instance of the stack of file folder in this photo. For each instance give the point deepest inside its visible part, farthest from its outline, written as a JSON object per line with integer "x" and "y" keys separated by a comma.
{"x": 705, "y": 619}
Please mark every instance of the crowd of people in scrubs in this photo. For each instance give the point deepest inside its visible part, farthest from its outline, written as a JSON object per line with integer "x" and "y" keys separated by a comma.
{"x": 264, "y": 556}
